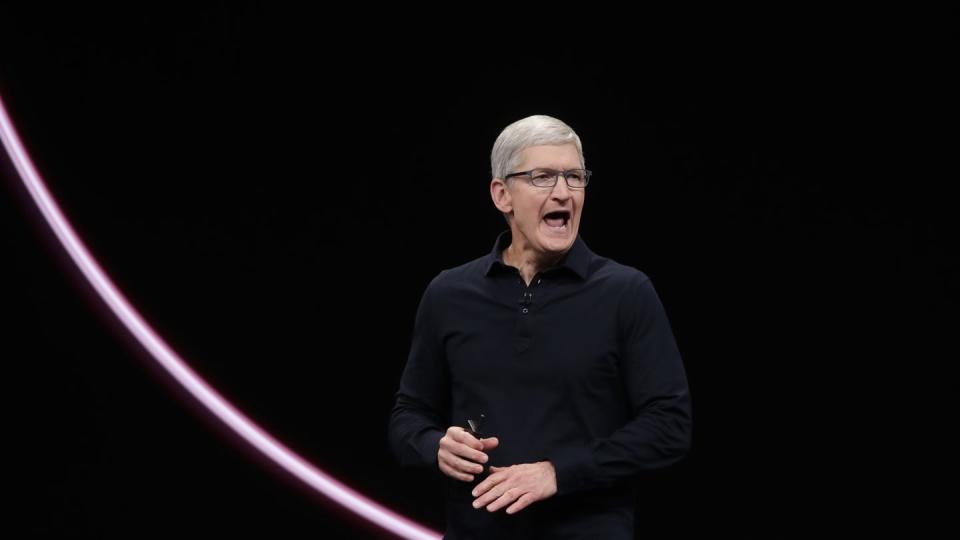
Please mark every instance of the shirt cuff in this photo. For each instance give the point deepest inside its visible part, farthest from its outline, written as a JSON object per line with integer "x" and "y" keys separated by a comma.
{"x": 572, "y": 465}
{"x": 429, "y": 446}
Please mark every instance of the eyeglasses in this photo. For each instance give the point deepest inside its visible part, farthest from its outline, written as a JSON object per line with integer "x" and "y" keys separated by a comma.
{"x": 575, "y": 178}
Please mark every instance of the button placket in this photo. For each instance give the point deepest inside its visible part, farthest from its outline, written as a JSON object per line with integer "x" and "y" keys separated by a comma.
{"x": 525, "y": 301}
{"x": 528, "y": 294}
{"x": 524, "y": 336}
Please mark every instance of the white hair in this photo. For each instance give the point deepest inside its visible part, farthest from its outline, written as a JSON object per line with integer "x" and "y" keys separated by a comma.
{"x": 530, "y": 131}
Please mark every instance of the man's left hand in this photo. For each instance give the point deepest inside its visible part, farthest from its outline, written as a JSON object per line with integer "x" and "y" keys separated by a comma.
{"x": 521, "y": 485}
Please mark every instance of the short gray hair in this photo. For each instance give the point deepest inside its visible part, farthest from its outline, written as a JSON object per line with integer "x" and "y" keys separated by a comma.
{"x": 530, "y": 131}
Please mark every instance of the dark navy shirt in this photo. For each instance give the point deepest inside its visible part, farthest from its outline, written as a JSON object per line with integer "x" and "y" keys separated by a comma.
{"x": 580, "y": 367}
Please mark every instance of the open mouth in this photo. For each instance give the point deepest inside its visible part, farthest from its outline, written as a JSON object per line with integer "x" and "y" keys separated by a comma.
{"x": 557, "y": 220}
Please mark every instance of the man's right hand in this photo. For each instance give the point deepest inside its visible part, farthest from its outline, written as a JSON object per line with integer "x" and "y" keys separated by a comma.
{"x": 460, "y": 453}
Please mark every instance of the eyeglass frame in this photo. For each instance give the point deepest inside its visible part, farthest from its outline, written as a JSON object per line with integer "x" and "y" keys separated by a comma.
{"x": 586, "y": 173}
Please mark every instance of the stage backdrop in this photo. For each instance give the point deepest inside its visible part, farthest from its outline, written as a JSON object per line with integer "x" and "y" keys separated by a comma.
{"x": 274, "y": 200}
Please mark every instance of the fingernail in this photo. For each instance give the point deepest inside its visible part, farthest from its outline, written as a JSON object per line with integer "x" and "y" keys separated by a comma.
{"x": 474, "y": 493}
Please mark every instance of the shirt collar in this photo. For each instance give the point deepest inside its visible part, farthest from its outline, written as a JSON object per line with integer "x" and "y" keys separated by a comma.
{"x": 576, "y": 259}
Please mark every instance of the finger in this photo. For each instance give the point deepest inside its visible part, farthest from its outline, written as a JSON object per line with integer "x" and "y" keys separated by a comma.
{"x": 468, "y": 452}
{"x": 455, "y": 447}
{"x": 487, "y": 484}
{"x": 468, "y": 439}
{"x": 524, "y": 501}
{"x": 456, "y": 474}
{"x": 508, "y": 497}
{"x": 456, "y": 434}
{"x": 493, "y": 494}
{"x": 457, "y": 463}
{"x": 490, "y": 443}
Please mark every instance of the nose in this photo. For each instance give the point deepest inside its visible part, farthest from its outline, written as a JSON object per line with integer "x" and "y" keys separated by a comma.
{"x": 561, "y": 190}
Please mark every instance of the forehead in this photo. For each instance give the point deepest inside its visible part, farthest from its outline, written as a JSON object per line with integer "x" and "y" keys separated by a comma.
{"x": 549, "y": 156}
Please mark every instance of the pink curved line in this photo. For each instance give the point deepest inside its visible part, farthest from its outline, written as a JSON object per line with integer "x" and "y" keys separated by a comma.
{"x": 178, "y": 368}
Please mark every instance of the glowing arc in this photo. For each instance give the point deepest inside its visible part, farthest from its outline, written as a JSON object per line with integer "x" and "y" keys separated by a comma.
{"x": 247, "y": 429}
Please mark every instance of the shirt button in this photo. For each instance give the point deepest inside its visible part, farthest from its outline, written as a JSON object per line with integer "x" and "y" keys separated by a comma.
{"x": 525, "y": 310}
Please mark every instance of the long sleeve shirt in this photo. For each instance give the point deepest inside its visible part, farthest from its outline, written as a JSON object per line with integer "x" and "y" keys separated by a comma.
{"x": 579, "y": 368}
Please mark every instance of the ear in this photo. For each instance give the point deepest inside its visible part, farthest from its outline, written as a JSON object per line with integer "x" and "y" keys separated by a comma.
{"x": 501, "y": 196}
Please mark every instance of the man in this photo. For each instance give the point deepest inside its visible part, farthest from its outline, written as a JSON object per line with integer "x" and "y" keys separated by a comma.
{"x": 568, "y": 356}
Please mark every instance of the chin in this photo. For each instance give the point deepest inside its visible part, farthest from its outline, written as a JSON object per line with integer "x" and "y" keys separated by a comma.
{"x": 556, "y": 241}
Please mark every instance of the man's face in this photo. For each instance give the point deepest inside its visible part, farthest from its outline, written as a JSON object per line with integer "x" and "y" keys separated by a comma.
{"x": 547, "y": 218}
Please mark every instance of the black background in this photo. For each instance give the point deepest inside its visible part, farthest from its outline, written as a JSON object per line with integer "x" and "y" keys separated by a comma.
{"x": 274, "y": 196}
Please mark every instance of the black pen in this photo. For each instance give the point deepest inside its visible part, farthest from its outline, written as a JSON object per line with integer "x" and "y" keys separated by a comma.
{"x": 475, "y": 427}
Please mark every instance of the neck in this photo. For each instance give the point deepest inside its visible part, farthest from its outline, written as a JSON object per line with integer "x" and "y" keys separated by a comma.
{"x": 520, "y": 256}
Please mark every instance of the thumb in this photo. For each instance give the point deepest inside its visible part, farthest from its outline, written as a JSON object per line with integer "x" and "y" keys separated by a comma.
{"x": 490, "y": 442}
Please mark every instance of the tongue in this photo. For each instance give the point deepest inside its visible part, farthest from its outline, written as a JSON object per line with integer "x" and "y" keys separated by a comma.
{"x": 554, "y": 221}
